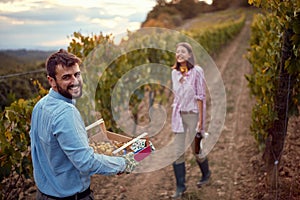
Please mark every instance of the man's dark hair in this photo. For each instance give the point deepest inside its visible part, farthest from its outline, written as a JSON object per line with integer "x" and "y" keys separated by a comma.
{"x": 62, "y": 57}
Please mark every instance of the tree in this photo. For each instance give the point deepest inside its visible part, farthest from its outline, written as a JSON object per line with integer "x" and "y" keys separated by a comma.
{"x": 187, "y": 8}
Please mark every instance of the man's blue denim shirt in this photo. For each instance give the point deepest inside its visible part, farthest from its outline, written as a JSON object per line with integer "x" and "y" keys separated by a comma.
{"x": 62, "y": 159}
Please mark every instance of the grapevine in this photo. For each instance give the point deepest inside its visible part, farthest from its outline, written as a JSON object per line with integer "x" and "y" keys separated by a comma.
{"x": 274, "y": 81}
{"x": 265, "y": 56}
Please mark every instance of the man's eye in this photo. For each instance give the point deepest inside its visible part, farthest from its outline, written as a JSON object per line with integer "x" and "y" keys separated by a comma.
{"x": 77, "y": 74}
{"x": 65, "y": 77}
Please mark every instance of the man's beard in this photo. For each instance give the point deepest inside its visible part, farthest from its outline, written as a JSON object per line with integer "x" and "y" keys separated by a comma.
{"x": 66, "y": 92}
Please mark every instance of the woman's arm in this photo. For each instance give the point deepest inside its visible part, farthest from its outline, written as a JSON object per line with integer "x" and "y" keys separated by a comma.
{"x": 200, "y": 95}
{"x": 200, "y": 121}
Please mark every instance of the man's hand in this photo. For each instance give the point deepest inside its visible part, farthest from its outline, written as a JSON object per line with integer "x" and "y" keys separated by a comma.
{"x": 131, "y": 163}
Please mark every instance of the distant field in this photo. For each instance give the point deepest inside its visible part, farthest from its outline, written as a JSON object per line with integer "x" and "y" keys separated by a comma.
{"x": 207, "y": 20}
{"x": 18, "y": 70}
{"x": 16, "y": 61}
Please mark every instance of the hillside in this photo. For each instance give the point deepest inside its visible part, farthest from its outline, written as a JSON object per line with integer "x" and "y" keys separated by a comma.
{"x": 14, "y": 61}
{"x": 172, "y": 14}
{"x": 18, "y": 68}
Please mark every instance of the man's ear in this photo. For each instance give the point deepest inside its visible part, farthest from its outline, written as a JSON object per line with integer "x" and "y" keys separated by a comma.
{"x": 52, "y": 82}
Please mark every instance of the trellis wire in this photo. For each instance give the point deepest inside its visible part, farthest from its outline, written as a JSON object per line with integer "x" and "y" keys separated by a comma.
{"x": 285, "y": 130}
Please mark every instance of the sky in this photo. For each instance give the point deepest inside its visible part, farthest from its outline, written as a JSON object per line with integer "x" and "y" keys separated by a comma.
{"x": 49, "y": 24}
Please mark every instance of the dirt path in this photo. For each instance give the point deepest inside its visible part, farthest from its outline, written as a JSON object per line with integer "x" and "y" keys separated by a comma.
{"x": 230, "y": 159}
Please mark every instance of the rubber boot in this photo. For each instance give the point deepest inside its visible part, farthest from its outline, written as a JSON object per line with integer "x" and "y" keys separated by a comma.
{"x": 179, "y": 170}
{"x": 205, "y": 172}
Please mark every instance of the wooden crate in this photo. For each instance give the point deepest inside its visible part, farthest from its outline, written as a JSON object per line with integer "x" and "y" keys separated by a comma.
{"x": 127, "y": 141}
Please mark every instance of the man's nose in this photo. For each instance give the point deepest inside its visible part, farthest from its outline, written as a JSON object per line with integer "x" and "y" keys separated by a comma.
{"x": 74, "y": 79}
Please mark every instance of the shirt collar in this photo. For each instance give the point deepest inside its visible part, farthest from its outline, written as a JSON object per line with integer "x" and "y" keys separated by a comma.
{"x": 179, "y": 72}
{"x": 57, "y": 95}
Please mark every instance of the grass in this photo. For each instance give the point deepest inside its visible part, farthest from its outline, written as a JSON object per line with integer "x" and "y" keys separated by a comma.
{"x": 208, "y": 20}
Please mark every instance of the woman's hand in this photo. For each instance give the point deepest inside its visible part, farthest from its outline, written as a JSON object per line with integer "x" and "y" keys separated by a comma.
{"x": 199, "y": 127}
{"x": 182, "y": 79}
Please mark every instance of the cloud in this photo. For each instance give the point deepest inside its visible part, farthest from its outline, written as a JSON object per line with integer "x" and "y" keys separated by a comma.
{"x": 5, "y": 1}
{"x": 40, "y": 23}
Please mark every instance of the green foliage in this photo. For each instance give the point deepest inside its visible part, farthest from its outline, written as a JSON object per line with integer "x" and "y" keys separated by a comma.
{"x": 120, "y": 66}
{"x": 82, "y": 45}
{"x": 265, "y": 56}
{"x": 15, "y": 159}
{"x": 213, "y": 36}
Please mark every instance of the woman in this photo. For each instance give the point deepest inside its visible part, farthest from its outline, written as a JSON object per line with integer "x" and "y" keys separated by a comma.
{"x": 188, "y": 117}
